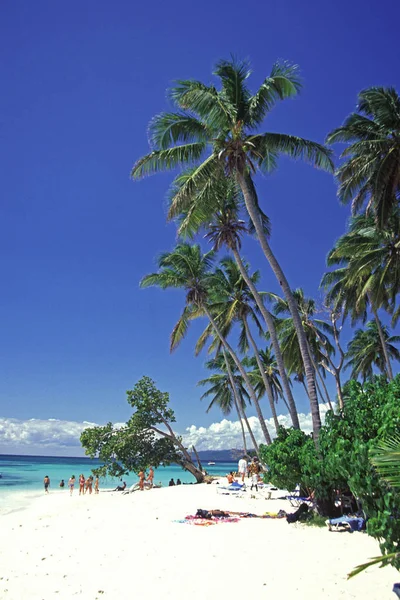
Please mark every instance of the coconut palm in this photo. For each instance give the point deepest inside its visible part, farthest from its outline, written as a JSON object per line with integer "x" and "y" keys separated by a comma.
{"x": 235, "y": 304}
{"x": 226, "y": 390}
{"x": 364, "y": 351}
{"x": 271, "y": 371}
{"x": 224, "y": 228}
{"x": 215, "y": 131}
{"x": 369, "y": 272}
{"x": 316, "y": 331}
{"x": 186, "y": 267}
{"x": 370, "y": 174}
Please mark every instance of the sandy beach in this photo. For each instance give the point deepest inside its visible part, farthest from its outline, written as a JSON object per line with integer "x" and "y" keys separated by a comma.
{"x": 114, "y": 546}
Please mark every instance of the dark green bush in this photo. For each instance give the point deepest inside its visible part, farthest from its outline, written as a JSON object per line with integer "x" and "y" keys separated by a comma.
{"x": 341, "y": 462}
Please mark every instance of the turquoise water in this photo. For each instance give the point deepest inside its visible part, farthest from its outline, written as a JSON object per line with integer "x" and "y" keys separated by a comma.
{"x": 22, "y": 476}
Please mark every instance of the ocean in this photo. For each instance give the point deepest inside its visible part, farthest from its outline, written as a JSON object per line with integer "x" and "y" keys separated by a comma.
{"x": 21, "y": 478}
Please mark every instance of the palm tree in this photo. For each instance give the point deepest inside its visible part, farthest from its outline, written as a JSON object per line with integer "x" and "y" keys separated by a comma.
{"x": 369, "y": 272}
{"x": 316, "y": 332}
{"x": 235, "y": 303}
{"x": 225, "y": 229}
{"x": 215, "y": 131}
{"x": 271, "y": 371}
{"x": 227, "y": 391}
{"x": 364, "y": 351}
{"x": 186, "y": 267}
{"x": 371, "y": 171}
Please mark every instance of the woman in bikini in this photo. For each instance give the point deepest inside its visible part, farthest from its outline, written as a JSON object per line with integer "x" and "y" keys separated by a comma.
{"x": 88, "y": 485}
{"x": 71, "y": 484}
{"x": 96, "y": 485}
{"x": 81, "y": 484}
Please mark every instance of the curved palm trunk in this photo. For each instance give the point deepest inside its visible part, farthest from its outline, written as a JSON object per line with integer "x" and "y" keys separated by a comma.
{"x": 243, "y": 374}
{"x": 240, "y": 408}
{"x": 269, "y": 321}
{"x": 325, "y": 389}
{"x": 264, "y": 378}
{"x": 319, "y": 375}
{"x": 383, "y": 344}
{"x": 279, "y": 274}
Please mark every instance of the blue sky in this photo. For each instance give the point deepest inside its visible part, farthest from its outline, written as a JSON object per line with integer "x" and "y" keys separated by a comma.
{"x": 80, "y": 81}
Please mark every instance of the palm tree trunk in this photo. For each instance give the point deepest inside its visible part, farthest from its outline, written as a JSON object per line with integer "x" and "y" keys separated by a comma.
{"x": 264, "y": 378}
{"x": 243, "y": 373}
{"x": 383, "y": 343}
{"x": 279, "y": 274}
{"x": 240, "y": 408}
{"x": 269, "y": 322}
{"x": 318, "y": 373}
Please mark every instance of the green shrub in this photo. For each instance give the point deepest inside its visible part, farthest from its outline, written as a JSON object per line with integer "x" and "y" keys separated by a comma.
{"x": 341, "y": 461}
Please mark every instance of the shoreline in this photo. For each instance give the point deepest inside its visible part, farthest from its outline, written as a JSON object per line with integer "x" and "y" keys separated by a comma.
{"x": 112, "y": 544}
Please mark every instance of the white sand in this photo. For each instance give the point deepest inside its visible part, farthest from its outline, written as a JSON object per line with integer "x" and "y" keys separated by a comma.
{"x": 119, "y": 546}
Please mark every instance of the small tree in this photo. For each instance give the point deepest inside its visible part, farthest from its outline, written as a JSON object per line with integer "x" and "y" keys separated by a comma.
{"x": 146, "y": 439}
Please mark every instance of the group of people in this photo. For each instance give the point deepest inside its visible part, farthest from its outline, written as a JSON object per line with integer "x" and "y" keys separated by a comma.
{"x": 86, "y": 484}
{"x": 252, "y": 470}
{"x": 172, "y": 482}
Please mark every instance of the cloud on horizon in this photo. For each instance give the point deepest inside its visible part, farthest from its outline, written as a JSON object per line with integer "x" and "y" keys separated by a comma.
{"x": 52, "y": 436}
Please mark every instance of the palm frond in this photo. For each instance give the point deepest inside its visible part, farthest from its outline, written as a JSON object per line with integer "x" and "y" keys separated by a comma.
{"x": 163, "y": 160}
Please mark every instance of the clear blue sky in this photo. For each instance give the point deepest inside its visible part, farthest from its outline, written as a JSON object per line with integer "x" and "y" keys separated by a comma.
{"x": 79, "y": 83}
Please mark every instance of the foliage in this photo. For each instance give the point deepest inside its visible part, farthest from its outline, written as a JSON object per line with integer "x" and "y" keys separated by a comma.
{"x": 342, "y": 461}
{"x": 285, "y": 458}
{"x": 147, "y": 438}
{"x": 386, "y": 458}
{"x": 369, "y": 174}
{"x": 365, "y": 351}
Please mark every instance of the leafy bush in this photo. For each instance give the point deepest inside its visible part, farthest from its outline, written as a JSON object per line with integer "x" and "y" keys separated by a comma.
{"x": 342, "y": 460}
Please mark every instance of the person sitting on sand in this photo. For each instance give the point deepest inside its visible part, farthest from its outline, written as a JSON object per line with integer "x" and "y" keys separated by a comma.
{"x": 151, "y": 476}
{"x": 120, "y": 488}
{"x": 62, "y": 484}
{"x": 96, "y": 485}
{"x": 71, "y": 484}
{"x": 171, "y": 483}
{"x": 46, "y": 482}
{"x": 81, "y": 484}
{"x": 231, "y": 478}
{"x": 178, "y": 482}
{"x": 88, "y": 484}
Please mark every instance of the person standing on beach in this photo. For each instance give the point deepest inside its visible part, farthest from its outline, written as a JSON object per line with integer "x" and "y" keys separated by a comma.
{"x": 96, "y": 485}
{"x": 142, "y": 476}
{"x": 46, "y": 482}
{"x": 255, "y": 470}
{"x": 71, "y": 484}
{"x": 242, "y": 468}
{"x": 81, "y": 484}
{"x": 88, "y": 485}
{"x": 151, "y": 476}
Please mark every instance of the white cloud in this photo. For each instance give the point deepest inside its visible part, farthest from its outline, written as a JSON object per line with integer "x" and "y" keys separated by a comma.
{"x": 52, "y": 436}
{"x": 228, "y": 434}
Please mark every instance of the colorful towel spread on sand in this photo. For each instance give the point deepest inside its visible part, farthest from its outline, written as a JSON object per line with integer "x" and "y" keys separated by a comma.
{"x": 233, "y": 517}
{"x": 193, "y": 520}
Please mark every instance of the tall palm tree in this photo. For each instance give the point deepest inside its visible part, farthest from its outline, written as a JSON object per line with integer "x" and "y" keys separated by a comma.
{"x": 215, "y": 131}
{"x": 316, "y": 332}
{"x": 186, "y": 267}
{"x": 369, "y": 271}
{"x": 370, "y": 173}
{"x": 220, "y": 218}
{"x": 227, "y": 391}
{"x": 364, "y": 351}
